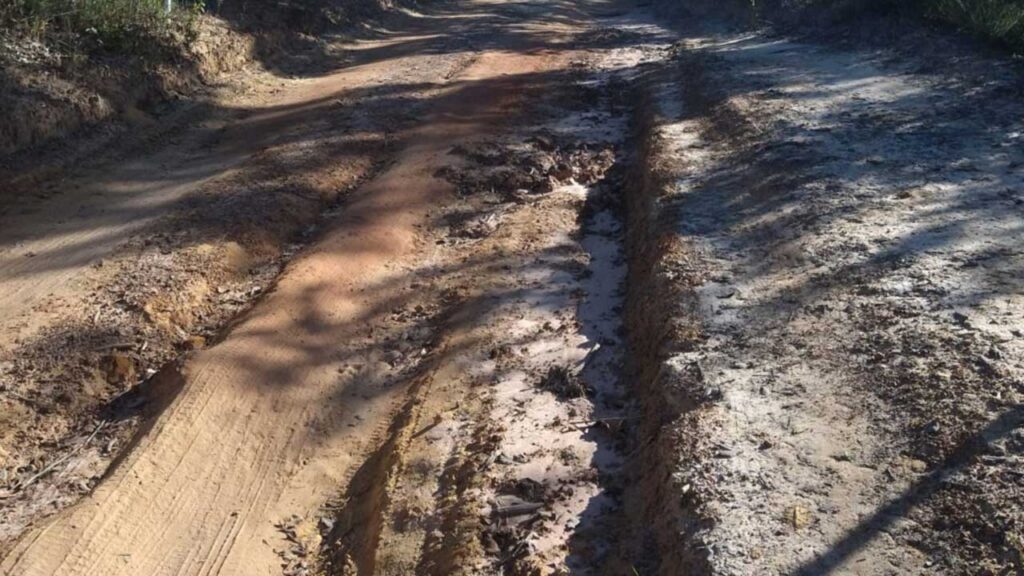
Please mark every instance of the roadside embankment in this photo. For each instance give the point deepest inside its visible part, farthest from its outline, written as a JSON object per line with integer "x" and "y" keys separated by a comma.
{"x": 79, "y": 73}
{"x": 47, "y": 94}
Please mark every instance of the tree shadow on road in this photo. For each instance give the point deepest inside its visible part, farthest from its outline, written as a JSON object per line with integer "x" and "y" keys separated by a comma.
{"x": 805, "y": 143}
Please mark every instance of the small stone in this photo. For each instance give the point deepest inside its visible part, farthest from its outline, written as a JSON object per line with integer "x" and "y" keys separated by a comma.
{"x": 119, "y": 368}
{"x": 490, "y": 546}
{"x": 326, "y": 524}
{"x": 798, "y": 517}
{"x": 195, "y": 343}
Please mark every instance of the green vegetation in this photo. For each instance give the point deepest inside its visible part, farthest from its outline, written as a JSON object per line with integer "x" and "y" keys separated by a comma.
{"x": 117, "y": 25}
{"x": 999, "y": 21}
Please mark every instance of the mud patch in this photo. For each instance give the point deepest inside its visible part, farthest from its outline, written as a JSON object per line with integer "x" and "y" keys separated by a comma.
{"x": 514, "y": 171}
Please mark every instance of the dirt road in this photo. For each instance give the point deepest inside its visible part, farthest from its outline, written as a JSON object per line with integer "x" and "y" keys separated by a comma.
{"x": 109, "y": 270}
{"x": 341, "y": 422}
{"x": 529, "y": 288}
{"x": 837, "y": 370}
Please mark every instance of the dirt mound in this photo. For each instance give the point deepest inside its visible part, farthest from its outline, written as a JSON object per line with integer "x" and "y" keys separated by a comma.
{"x": 536, "y": 166}
{"x": 46, "y": 94}
{"x": 50, "y": 90}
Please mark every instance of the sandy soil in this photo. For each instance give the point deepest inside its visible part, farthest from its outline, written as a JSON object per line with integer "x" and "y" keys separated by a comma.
{"x": 309, "y": 435}
{"x": 111, "y": 270}
{"x": 844, "y": 362}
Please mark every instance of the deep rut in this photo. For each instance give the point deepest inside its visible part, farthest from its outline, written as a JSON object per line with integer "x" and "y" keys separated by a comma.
{"x": 494, "y": 465}
{"x": 485, "y": 428}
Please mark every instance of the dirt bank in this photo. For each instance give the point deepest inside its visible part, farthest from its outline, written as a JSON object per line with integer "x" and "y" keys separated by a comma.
{"x": 46, "y": 95}
{"x": 59, "y": 85}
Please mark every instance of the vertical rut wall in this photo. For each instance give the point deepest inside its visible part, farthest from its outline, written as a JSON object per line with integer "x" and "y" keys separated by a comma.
{"x": 664, "y": 507}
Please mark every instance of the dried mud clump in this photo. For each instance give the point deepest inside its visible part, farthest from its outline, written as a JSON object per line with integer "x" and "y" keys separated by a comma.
{"x": 564, "y": 382}
{"x": 515, "y": 170}
{"x": 604, "y": 37}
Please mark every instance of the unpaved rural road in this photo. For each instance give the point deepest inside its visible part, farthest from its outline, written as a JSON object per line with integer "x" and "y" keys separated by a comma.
{"x": 375, "y": 340}
{"x": 529, "y": 288}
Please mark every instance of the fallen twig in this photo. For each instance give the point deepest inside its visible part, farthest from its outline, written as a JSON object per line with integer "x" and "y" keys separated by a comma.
{"x": 517, "y": 509}
{"x": 51, "y": 466}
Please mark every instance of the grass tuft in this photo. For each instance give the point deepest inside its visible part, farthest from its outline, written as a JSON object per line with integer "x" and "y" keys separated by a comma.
{"x": 1001, "y": 21}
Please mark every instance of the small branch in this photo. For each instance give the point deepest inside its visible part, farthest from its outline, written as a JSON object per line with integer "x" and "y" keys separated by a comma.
{"x": 50, "y": 467}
